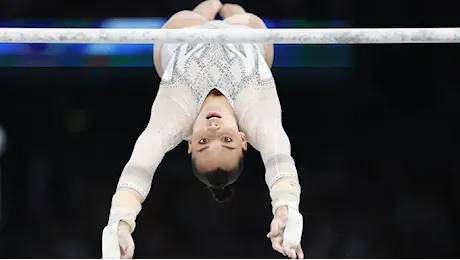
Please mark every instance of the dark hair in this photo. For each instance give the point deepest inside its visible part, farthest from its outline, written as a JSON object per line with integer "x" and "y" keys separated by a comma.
{"x": 222, "y": 195}
{"x": 218, "y": 181}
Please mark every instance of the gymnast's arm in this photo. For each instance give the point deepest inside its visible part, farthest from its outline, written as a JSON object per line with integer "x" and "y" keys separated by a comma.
{"x": 169, "y": 123}
{"x": 263, "y": 126}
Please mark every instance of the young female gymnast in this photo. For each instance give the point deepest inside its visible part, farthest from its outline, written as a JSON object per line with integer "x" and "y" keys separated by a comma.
{"x": 219, "y": 97}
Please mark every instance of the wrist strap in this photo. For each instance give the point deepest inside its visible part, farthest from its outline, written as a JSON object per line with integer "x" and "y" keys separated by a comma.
{"x": 285, "y": 192}
{"x": 110, "y": 244}
{"x": 125, "y": 207}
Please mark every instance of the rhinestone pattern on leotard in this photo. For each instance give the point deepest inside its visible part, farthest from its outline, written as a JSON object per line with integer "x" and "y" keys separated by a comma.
{"x": 229, "y": 68}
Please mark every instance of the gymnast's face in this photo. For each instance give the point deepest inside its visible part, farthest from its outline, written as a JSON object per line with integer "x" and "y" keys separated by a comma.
{"x": 216, "y": 141}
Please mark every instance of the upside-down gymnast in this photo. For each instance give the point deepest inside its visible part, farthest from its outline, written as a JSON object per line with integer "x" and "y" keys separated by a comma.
{"x": 219, "y": 97}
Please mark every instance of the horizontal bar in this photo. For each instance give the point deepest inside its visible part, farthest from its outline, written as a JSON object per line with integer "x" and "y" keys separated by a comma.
{"x": 280, "y": 36}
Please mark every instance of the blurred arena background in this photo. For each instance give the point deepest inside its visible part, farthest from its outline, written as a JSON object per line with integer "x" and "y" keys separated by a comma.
{"x": 374, "y": 131}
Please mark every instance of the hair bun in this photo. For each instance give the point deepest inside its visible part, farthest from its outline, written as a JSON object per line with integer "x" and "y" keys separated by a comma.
{"x": 222, "y": 195}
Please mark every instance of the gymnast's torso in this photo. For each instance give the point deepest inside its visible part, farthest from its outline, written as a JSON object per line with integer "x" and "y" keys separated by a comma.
{"x": 235, "y": 70}
{"x": 238, "y": 71}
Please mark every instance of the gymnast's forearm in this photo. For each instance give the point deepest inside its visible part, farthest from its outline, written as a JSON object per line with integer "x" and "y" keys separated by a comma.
{"x": 147, "y": 155}
{"x": 165, "y": 130}
{"x": 274, "y": 146}
{"x": 136, "y": 178}
{"x": 281, "y": 172}
{"x": 265, "y": 131}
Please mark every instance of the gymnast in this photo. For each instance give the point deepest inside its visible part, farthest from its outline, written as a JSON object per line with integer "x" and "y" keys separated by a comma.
{"x": 219, "y": 97}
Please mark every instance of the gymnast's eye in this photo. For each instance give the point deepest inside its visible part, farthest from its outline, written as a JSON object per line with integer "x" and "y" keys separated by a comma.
{"x": 203, "y": 141}
{"x": 227, "y": 139}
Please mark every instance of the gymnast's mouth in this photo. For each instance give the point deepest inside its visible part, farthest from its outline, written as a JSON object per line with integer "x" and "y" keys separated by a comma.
{"x": 211, "y": 115}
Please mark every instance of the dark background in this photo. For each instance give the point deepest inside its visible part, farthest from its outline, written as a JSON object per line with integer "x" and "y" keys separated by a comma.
{"x": 376, "y": 145}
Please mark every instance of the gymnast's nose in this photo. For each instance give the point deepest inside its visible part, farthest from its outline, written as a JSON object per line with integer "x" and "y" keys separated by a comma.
{"x": 213, "y": 125}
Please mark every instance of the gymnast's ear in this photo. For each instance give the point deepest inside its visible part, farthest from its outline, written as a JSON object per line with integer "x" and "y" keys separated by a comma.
{"x": 189, "y": 149}
{"x": 244, "y": 141}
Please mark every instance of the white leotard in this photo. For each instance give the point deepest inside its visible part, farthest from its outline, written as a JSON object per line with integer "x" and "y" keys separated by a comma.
{"x": 191, "y": 71}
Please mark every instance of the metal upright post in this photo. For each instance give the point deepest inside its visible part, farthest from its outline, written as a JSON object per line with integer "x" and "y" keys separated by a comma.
{"x": 2, "y": 149}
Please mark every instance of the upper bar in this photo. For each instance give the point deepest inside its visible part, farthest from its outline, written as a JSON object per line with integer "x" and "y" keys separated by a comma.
{"x": 280, "y": 36}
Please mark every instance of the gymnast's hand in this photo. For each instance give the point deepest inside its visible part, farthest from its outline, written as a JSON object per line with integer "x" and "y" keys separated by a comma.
{"x": 286, "y": 232}
{"x": 125, "y": 240}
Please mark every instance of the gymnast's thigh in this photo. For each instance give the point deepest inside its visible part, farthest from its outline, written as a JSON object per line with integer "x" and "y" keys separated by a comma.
{"x": 254, "y": 22}
{"x": 179, "y": 20}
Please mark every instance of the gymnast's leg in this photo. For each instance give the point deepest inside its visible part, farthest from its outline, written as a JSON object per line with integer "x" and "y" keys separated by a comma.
{"x": 203, "y": 13}
{"x": 235, "y": 14}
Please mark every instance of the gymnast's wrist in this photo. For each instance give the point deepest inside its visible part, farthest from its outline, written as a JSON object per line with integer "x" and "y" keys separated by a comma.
{"x": 285, "y": 192}
{"x": 124, "y": 210}
{"x": 123, "y": 226}
{"x": 283, "y": 204}
{"x": 282, "y": 211}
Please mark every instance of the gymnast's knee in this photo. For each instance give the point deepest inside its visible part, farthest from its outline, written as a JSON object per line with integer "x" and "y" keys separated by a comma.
{"x": 185, "y": 14}
{"x": 182, "y": 18}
